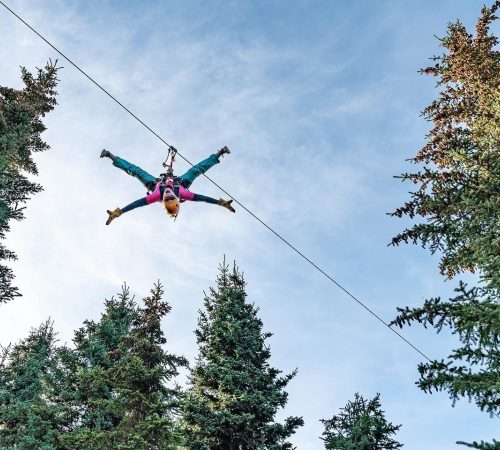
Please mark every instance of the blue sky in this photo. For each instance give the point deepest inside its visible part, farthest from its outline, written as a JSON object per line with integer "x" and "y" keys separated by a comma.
{"x": 320, "y": 104}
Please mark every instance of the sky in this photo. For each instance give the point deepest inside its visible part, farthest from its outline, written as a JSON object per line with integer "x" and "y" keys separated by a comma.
{"x": 319, "y": 102}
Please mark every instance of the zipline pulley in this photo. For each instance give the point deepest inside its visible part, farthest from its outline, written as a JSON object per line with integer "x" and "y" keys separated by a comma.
{"x": 172, "y": 152}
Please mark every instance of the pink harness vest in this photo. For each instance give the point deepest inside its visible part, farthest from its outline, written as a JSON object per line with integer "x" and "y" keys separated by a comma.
{"x": 155, "y": 196}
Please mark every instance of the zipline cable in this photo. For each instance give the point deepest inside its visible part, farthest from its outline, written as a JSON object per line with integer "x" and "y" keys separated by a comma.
{"x": 219, "y": 187}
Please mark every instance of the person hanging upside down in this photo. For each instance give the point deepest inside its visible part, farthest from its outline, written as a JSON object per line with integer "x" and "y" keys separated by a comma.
{"x": 168, "y": 189}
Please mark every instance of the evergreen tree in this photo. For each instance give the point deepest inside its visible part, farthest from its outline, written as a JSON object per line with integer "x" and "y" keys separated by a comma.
{"x": 142, "y": 381}
{"x": 123, "y": 379}
{"x": 32, "y": 417}
{"x": 21, "y": 126}
{"x": 458, "y": 193}
{"x": 88, "y": 389}
{"x": 234, "y": 393}
{"x": 495, "y": 445}
{"x": 361, "y": 425}
{"x": 459, "y": 185}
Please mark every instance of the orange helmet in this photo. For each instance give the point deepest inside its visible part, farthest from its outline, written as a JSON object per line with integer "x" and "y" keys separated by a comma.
{"x": 171, "y": 201}
{"x": 172, "y": 207}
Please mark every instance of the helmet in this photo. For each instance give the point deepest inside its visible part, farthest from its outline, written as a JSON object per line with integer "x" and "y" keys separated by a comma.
{"x": 171, "y": 201}
{"x": 172, "y": 207}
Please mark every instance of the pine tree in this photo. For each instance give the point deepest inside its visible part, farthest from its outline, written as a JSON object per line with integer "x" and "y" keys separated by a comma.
{"x": 495, "y": 445}
{"x": 361, "y": 425}
{"x": 32, "y": 417}
{"x": 88, "y": 389}
{"x": 459, "y": 184}
{"x": 234, "y": 393}
{"x": 123, "y": 379}
{"x": 21, "y": 126}
{"x": 459, "y": 196}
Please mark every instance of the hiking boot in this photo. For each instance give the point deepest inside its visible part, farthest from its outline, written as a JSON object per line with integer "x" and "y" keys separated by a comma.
{"x": 223, "y": 151}
{"x": 106, "y": 154}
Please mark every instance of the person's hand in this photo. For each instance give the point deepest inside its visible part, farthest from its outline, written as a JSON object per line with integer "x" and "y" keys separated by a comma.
{"x": 113, "y": 215}
{"x": 226, "y": 204}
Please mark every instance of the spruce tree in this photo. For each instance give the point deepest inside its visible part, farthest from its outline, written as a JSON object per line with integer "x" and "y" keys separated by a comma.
{"x": 495, "y": 445}
{"x": 32, "y": 416}
{"x": 21, "y": 126}
{"x": 459, "y": 184}
{"x": 123, "y": 379}
{"x": 361, "y": 425}
{"x": 89, "y": 390}
{"x": 234, "y": 393}
{"x": 458, "y": 195}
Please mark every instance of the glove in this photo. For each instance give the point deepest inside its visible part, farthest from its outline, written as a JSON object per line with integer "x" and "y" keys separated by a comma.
{"x": 113, "y": 215}
{"x": 226, "y": 204}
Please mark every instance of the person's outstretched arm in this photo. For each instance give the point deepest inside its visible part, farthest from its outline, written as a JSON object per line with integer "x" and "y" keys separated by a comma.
{"x": 148, "y": 200}
{"x": 119, "y": 211}
{"x": 186, "y": 194}
{"x": 203, "y": 198}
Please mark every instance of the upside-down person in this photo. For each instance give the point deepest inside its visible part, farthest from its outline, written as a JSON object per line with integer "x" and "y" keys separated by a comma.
{"x": 168, "y": 189}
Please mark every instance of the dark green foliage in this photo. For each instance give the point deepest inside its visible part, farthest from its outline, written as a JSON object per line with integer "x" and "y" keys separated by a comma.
{"x": 122, "y": 379}
{"x": 459, "y": 196}
{"x": 458, "y": 188}
{"x": 234, "y": 394}
{"x": 32, "y": 415}
{"x": 495, "y": 445}
{"x": 473, "y": 369}
{"x": 21, "y": 126}
{"x": 112, "y": 391}
{"x": 361, "y": 425}
{"x": 89, "y": 389}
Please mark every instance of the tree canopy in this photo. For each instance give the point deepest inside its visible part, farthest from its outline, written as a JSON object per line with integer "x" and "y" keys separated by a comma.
{"x": 234, "y": 393}
{"x": 21, "y": 126}
{"x": 458, "y": 195}
{"x": 114, "y": 389}
{"x": 31, "y": 415}
{"x": 361, "y": 425}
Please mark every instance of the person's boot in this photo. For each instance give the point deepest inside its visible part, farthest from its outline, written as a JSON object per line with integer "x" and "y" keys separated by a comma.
{"x": 113, "y": 215}
{"x": 106, "y": 154}
{"x": 226, "y": 204}
{"x": 223, "y": 151}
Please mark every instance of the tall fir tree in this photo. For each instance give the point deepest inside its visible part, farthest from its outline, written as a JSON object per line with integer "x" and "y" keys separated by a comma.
{"x": 234, "y": 393}
{"x": 96, "y": 350}
{"x": 32, "y": 415}
{"x": 144, "y": 381}
{"x": 495, "y": 445}
{"x": 21, "y": 126}
{"x": 458, "y": 193}
{"x": 361, "y": 425}
{"x": 122, "y": 378}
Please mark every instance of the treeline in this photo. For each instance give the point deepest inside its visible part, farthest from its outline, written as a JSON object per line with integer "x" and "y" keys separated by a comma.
{"x": 114, "y": 387}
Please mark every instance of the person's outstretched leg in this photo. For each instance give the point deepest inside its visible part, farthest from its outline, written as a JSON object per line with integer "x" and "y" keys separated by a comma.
{"x": 200, "y": 168}
{"x": 144, "y": 177}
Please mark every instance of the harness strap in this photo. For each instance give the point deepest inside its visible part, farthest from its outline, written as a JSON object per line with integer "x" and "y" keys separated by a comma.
{"x": 166, "y": 182}
{"x": 172, "y": 152}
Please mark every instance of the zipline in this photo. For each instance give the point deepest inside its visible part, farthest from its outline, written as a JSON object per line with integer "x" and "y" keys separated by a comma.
{"x": 171, "y": 148}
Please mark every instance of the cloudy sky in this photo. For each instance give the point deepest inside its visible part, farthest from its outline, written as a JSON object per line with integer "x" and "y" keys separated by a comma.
{"x": 320, "y": 104}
